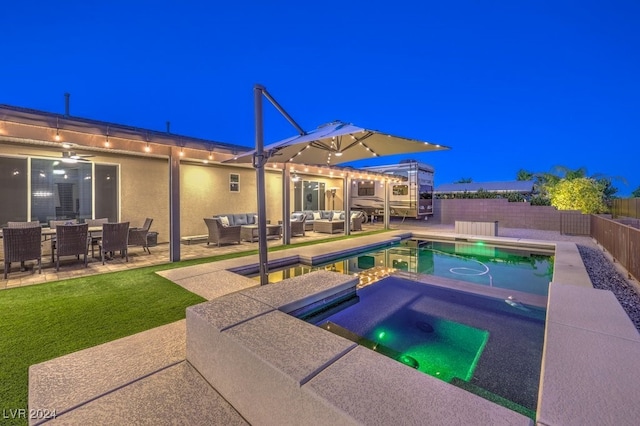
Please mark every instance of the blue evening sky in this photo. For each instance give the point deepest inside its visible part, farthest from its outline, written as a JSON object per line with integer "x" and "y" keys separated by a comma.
{"x": 506, "y": 84}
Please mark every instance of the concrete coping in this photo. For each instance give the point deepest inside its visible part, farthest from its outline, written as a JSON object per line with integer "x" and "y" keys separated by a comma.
{"x": 276, "y": 369}
{"x": 590, "y": 371}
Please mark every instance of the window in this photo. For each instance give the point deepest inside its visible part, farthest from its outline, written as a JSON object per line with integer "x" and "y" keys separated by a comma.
{"x": 106, "y": 185}
{"x": 366, "y": 188}
{"x": 309, "y": 195}
{"x": 426, "y": 192}
{"x": 234, "y": 182}
{"x": 400, "y": 189}
{"x": 59, "y": 190}
{"x": 13, "y": 189}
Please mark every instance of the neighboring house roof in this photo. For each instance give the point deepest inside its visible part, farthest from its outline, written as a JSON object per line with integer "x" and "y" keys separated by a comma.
{"x": 506, "y": 186}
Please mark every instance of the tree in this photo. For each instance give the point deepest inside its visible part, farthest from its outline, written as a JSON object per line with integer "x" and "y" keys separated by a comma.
{"x": 464, "y": 180}
{"x": 524, "y": 175}
{"x": 579, "y": 193}
{"x": 636, "y": 193}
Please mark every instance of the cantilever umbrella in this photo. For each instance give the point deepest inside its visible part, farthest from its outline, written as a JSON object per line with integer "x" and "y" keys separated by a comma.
{"x": 330, "y": 144}
{"x": 336, "y": 143}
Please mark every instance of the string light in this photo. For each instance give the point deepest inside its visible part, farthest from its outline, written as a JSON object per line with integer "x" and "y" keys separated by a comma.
{"x": 57, "y": 136}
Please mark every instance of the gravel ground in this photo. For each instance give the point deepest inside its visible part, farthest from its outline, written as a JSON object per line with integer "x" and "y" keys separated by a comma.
{"x": 604, "y": 275}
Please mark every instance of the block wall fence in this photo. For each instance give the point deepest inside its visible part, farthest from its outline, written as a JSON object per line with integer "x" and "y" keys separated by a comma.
{"x": 511, "y": 215}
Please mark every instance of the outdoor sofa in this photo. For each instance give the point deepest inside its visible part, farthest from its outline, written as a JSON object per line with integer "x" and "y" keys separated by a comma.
{"x": 331, "y": 215}
{"x": 226, "y": 228}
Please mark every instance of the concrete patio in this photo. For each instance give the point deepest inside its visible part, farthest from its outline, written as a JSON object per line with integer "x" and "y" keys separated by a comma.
{"x": 589, "y": 371}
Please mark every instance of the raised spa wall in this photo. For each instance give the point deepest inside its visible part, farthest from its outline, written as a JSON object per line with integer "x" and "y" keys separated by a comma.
{"x": 276, "y": 369}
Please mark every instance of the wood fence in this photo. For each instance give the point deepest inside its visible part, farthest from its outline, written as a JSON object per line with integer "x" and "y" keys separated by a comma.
{"x": 626, "y": 207}
{"x": 620, "y": 240}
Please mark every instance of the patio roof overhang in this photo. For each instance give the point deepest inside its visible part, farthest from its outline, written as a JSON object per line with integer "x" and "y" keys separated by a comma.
{"x": 63, "y": 133}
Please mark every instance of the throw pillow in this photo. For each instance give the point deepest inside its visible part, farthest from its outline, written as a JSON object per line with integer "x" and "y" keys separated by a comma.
{"x": 316, "y": 216}
{"x": 255, "y": 219}
{"x": 336, "y": 216}
{"x": 354, "y": 215}
{"x": 224, "y": 220}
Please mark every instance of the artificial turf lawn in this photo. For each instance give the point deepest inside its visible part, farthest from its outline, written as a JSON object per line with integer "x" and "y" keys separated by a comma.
{"x": 45, "y": 321}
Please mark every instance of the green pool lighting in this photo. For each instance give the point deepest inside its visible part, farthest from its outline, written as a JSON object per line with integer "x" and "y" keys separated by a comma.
{"x": 381, "y": 335}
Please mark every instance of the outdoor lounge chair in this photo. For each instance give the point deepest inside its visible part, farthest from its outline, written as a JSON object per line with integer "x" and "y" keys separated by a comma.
{"x": 219, "y": 234}
{"x": 22, "y": 244}
{"x": 138, "y": 236}
{"x": 115, "y": 237}
{"x": 71, "y": 240}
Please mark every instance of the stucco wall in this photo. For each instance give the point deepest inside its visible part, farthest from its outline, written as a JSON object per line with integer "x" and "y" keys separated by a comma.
{"x": 204, "y": 192}
{"x": 144, "y": 192}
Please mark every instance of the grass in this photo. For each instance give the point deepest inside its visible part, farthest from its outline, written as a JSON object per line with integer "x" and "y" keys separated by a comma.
{"x": 45, "y": 321}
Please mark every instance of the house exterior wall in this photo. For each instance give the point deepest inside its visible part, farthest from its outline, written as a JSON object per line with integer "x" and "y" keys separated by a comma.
{"x": 144, "y": 192}
{"x": 204, "y": 192}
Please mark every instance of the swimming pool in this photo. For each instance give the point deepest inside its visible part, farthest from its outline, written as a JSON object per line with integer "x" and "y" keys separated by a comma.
{"x": 522, "y": 270}
{"x": 483, "y": 345}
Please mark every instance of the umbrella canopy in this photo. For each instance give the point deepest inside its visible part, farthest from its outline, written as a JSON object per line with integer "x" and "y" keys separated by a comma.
{"x": 337, "y": 143}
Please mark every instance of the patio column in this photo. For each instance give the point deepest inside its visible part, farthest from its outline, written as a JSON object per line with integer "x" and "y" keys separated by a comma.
{"x": 174, "y": 204}
{"x": 386, "y": 204}
{"x": 346, "y": 195}
{"x": 286, "y": 205}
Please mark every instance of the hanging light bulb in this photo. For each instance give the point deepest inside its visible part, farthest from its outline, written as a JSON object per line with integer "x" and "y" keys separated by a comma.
{"x": 57, "y": 136}
{"x": 147, "y": 148}
{"x": 107, "y": 144}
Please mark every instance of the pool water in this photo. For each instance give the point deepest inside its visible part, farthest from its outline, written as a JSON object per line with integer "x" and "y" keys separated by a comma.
{"x": 522, "y": 270}
{"x": 478, "y": 343}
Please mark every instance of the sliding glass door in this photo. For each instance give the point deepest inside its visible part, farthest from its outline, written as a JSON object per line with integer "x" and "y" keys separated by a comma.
{"x": 47, "y": 189}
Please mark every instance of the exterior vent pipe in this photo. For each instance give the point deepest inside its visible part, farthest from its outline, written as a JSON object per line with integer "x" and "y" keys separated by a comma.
{"x": 168, "y": 127}
{"x": 66, "y": 104}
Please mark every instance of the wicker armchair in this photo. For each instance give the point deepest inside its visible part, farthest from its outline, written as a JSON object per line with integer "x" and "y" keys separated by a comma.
{"x": 115, "y": 237}
{"x": 297, "y": 226}
{"x": 219, "y": 234}
{"x": 71, "y": 240}
{"x": 95, "y": 236}
{"x": 22, "y": 244}
{"x": 356, "y": 220}
{"x": 138, "y": 236}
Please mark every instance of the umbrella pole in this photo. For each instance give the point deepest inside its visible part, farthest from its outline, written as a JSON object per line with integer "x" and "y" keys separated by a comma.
{"x": 258, "y": 163}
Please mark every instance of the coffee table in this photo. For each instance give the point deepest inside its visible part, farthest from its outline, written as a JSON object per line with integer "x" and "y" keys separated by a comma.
{"x": 328, "y": 226}
{"x": 250, "y": 232}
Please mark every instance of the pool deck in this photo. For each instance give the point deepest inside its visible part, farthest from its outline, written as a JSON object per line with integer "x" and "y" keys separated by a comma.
{"x": 590, "y": 373}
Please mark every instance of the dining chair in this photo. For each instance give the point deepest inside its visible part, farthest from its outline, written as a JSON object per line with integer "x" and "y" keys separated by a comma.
{"x": 32, "y": 224}
{"x": 95, "y": 236}
{"x": 21, "y": 244}
{"x": 138, "y": 236}
{"x": 71, "y": 240}
{"x": 115, "y": 237}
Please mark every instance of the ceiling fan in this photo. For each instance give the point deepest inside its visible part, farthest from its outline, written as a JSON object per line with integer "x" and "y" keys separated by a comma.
{"x": 73, "y": 155}
{"x": 67, "y": 156}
